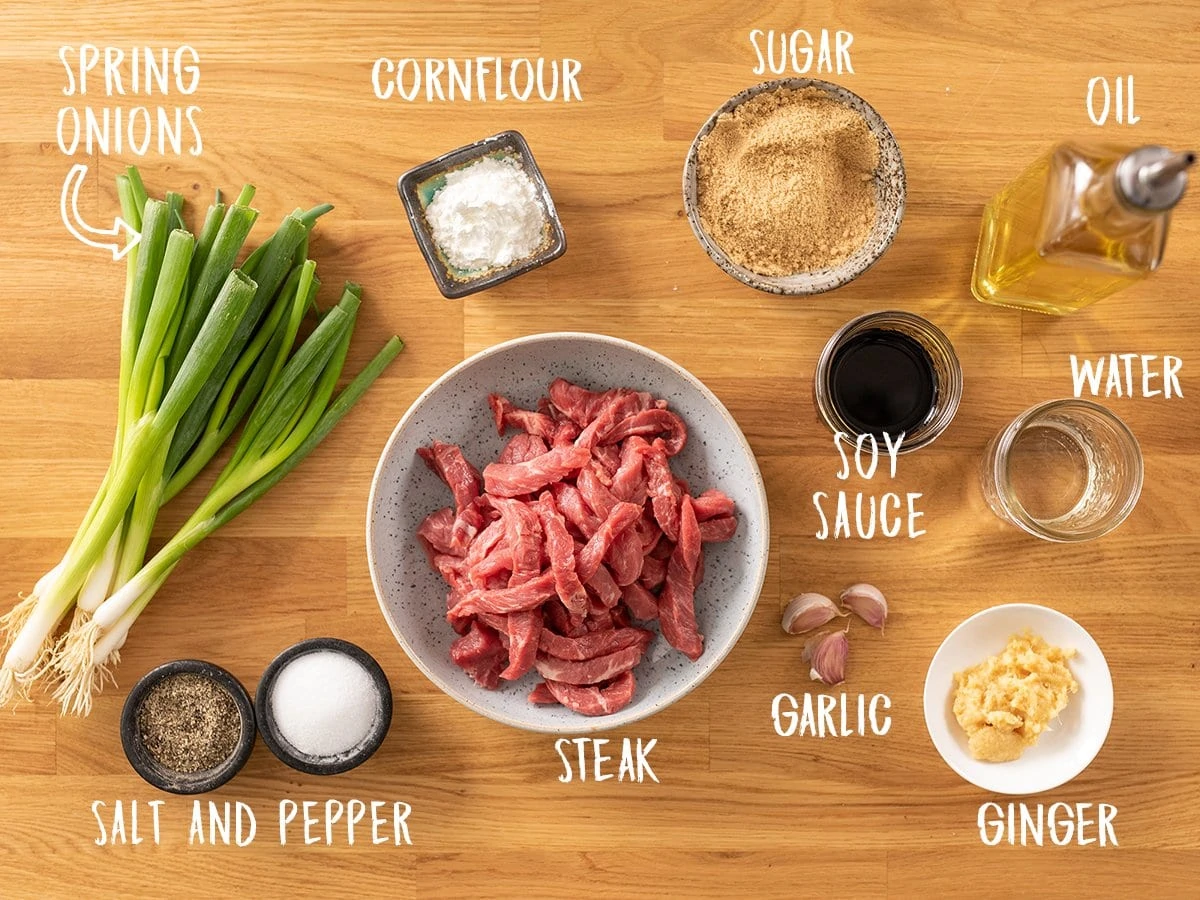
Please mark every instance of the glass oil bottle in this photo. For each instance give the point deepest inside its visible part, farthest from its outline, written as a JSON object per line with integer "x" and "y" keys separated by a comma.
{"x": 1083, "y": 222}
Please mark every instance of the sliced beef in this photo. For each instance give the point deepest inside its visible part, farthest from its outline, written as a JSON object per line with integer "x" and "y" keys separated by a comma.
{"x": 560, "y": 547}
{"x": 640, "y": 602}
{"x": 449, "y": 464}
{"x": 437, "y": 532}
{"x": 589, "y": 671}
{"x": 480, "y": 653}
{"x": 665, "y": 495}
{"x": 595, "y": 701}
{"x": 522, "y": 448}
{"x": 524, "y": 633}
{"x": 719, "y": 529}
{"x": 590, "y": 558}
{"x": 676, "y": 603}
{"x": 509, "y": 416}
{"x": 576, "y": 530}
{"x": 647, "y": 423}
{"x": 712, "y": 504}
{"x": 593, "y": 644}
{"x": 528, "y": 477}
{"x": 523, "y": 535}
{"x": 608, "y": 592}
{"x": 506, "y": 600}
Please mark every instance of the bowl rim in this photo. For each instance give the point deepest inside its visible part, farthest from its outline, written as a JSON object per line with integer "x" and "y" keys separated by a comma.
{"x": 933, "y": 701}
{"x": 703, "y": 667}
{"x": 770, "y": 283}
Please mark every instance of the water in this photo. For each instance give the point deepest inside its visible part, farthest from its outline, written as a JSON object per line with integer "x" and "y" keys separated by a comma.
{"x": 1049, "y": 472}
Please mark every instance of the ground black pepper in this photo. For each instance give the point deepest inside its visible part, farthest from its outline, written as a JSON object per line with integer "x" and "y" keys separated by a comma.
{"x": 189, "y": 723}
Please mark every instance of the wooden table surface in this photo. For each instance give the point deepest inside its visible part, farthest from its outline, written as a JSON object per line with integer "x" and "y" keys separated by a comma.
{"x": 972, "y": 93}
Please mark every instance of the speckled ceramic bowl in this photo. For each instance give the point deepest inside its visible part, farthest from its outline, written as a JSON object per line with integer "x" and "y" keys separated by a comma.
{"x": 889, "y": 198}
{"x": 455, "y": 409}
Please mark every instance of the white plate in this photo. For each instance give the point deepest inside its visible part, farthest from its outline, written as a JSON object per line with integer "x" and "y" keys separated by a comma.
{"x": 455, "y": 409}
{"x": 1072, "y": 741}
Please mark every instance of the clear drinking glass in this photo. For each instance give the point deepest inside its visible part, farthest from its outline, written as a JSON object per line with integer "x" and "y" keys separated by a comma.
{"x": 1065, "y": 470}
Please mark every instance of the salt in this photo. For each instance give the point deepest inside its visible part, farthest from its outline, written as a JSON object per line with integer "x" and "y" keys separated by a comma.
{"x": 488, "y": 215}
{"x": 324, "y": 703}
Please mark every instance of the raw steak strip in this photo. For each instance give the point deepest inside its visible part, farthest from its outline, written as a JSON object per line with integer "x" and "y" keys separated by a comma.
{"x": 605, "y": 586}
{"x": 629, "y": 483}
{"x": 589, "y": 671}
{"x": 561, "y": 548}
{"x": 532, "y": 475}
{"x": 593, "y": 644}
{"x": 609, "y": 458}
{"x": 509, "y": 416}
{"x": 676, "y": 603}
{"x": 649, "y": 422}
{"x": 654, "y": 573}
{"x": 594, "y": 701}
{"x": 523, "y": 534}
{"x": 641, "y": 603}
{"x": 437, "y": 531}
{"x": 712, "y": 504}
{"x": 524, "y": 631}
{"x": 577, "y": 403}
{"x": 522, "y": 448}
{"x": 624, "y": 557}
{"x": 505, "y": 600}
{"x": 449, "y": 464}
{"x": 592, "y": 555}
{"x": 594, "y": 490}
{"x": 480, "y": 653}
{"x": 541, "y": 695}
{"x": 575, "y": 509}
{"x": 664, "y": 492}
{"x": 719, "y": 529}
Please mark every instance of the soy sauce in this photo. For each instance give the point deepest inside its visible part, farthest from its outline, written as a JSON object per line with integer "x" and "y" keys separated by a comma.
{"x": 883, "y": 381}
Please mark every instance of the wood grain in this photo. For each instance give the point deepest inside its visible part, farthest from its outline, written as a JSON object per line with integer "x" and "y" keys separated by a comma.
{"x": 973, "y": 91}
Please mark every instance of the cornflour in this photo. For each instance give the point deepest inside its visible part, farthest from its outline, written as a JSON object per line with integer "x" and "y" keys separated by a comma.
{"x": 487, "y": 216}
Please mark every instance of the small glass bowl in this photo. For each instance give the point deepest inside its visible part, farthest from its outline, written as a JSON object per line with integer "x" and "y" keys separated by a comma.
{"x": 948, "y": 380}
{"x": 1099, "y": 442}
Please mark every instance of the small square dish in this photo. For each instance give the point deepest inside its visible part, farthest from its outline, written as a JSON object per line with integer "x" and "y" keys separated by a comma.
{"x": 420, "y": 185}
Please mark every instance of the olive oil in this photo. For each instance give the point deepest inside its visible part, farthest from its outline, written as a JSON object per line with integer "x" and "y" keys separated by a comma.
{"x": 1081, "y": 223}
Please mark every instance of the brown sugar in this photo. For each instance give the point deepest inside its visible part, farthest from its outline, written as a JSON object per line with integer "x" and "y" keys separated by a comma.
{"x": 785, "y": 182}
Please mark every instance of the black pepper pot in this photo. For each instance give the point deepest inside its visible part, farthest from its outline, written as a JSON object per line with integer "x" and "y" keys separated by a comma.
{"x": 153, "y": 771}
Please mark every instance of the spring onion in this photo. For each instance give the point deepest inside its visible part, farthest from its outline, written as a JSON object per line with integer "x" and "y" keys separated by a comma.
{"x": 203, "y": 344}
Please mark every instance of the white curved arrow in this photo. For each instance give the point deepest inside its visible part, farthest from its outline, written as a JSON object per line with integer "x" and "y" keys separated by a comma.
{"x": 93, "y": 237}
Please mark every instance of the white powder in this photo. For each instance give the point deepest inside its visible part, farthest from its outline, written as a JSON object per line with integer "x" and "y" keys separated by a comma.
{"x": 324, "y": 703}
{"x": 488, "y": 215}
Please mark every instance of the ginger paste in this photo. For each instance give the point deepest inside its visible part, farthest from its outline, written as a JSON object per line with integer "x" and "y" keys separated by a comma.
{"x": 1008, "y": 700}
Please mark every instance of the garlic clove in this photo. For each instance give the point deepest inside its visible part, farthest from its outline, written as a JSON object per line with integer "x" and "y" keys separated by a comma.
{"x": 809, "y": 611}
{"x": 867, "y": 602}
{"x": 826, "y": 655}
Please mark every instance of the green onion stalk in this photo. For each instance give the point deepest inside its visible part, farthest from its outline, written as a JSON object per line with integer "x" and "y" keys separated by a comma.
{"x": 202, "y": 344}
{"x": 289, "y": 420}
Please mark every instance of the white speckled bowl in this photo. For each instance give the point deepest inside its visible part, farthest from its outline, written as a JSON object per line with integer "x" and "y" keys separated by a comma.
{"x": 454, "y": 408}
